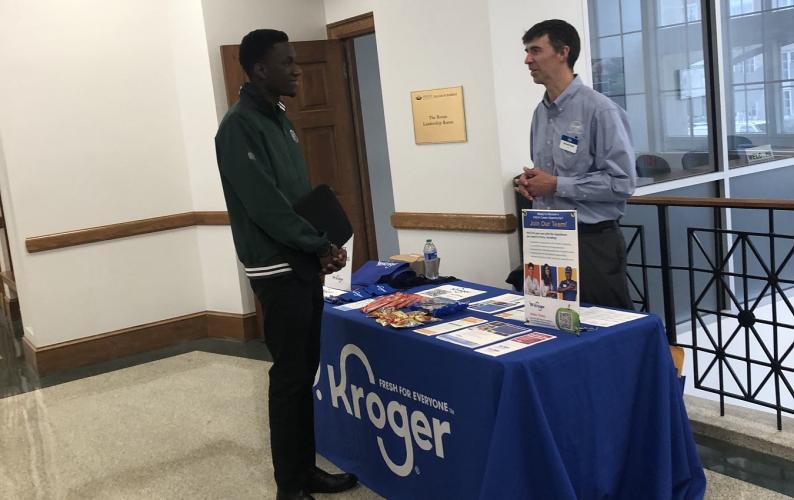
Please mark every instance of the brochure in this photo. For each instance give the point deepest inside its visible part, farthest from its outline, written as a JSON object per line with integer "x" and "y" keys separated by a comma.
{"x": 354, "y": 305}
{"x": 331, "y": 292}
{"x": 450, "y": 326}
{"x": 480, "y": 335}
{"x": 515, "y": 344}
{"x": 599, "y": 316}
{"x": 514, "y": 314}
{"x": 451, "y": 292}
{"x": 497, "y": 304}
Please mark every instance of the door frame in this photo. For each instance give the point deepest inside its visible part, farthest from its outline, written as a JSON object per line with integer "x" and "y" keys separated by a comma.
{"x": 346, "y": 30}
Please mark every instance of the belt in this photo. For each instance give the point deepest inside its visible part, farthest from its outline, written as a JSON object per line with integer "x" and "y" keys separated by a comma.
{"x": 598, "y": 227}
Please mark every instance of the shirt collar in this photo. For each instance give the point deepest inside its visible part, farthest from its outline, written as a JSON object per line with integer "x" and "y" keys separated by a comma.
{"x": 249, "y": 96}
{"x": 566, "y": 95}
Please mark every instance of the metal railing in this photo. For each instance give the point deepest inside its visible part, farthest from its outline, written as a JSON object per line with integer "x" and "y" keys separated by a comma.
{"x": 721, "y": 274}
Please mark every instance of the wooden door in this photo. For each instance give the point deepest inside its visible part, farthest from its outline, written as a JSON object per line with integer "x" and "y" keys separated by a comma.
{"x": 322, "y": 115}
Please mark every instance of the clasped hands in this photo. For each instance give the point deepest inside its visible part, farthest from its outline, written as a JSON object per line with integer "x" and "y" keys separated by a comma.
{"x": 334, "y": 261}
{"x": 534, "y": 183}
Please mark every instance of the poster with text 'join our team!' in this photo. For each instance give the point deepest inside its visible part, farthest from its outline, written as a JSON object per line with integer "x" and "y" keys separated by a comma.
{"x": 551, "y": 268}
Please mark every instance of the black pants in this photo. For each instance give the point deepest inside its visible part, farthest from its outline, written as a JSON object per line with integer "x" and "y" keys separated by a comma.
{"x": 602, "y": 263}
{"x": 292, "y": 312}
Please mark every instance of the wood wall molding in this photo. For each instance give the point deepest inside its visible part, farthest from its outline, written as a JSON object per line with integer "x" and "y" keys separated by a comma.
{"x": 400, "y": 220}
{"x": 685, "y": 201}
{"x": 478, "y": 223}
{"x": 217, "y": 218}
{"x": 354, "y": 26}
{"x": 138, "y": 339}
{"x": 124, "y": 230}
{"x": 232, "y": 326}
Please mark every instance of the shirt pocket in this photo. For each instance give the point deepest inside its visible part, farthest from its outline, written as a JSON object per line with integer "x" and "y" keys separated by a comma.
{"x": 567, "y": 163}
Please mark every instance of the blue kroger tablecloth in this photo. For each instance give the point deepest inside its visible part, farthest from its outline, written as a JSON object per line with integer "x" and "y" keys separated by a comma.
{"x": 589, "y": 417}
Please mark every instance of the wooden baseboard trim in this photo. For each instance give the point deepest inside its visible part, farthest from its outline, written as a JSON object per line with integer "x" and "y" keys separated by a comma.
{"x": 232, "y": 326}
{"x": 125, "y": 230}
{"x": 479, "y": 223}
{"x": 137, "y": 339}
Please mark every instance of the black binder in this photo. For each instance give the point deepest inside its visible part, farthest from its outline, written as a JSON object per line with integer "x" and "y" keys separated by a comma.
{"x": 323, "y": 211}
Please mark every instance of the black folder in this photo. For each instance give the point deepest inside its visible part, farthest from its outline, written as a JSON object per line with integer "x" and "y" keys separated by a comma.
{"x": 323, "y": 211}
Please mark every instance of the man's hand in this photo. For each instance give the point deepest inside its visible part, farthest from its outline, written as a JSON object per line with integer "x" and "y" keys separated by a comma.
{"x": 534, "y": 182}
{"x": 334, "y": 261}
{"x": 330, "y": 263}
{"x": 341, "y": 258}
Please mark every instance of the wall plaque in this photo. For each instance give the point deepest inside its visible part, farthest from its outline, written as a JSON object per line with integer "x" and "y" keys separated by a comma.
{"x": 438, "y": 115}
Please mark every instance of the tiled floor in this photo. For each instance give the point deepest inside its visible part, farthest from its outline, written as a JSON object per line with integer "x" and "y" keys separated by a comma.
{"x": 185, "y": 422}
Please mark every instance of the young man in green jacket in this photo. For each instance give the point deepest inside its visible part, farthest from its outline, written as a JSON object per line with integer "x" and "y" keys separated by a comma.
{"x": 263, "y": 174}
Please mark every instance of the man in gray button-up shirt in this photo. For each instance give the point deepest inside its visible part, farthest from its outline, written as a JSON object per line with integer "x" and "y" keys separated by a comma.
{"x": 583, "y": 160}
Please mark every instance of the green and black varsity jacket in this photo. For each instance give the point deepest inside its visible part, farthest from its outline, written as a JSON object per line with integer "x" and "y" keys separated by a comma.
{"x": 263, "y": 174}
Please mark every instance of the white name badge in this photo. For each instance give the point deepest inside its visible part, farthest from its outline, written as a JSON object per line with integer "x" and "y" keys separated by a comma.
{"x": 568, "y": 143}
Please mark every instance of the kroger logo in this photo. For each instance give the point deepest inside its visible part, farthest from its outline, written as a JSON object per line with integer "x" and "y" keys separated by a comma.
{"x": 536, "y": 305}
{"x": 415, "y": 429}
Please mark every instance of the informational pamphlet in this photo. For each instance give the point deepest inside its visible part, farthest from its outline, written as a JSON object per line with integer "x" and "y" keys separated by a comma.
{"x": 353, "y": 306}
{"x": 450, "y": 326}
{"x": 497, "y": 304}
{"x": 480, "y": 335}
{"x": 599, "y": 316}
{"x": 341, "y": 279}
{"x": 451, "y": 292}
{"x": 551, "y": 268}
{"x": 513, "y": 314}
{"x": 515, "y": 344}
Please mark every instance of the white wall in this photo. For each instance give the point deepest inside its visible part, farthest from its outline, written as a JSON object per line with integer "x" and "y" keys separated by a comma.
{"x": 111, "y": 117}
{"x": 477, "y": 44}
{"x": 92, "y": 135}
{"x": 337, "y": 10}
{"x": 516, "y": 94}
{"x": 227, "y": 21}
{"x": 225, "y": 285}
{"x": 423, "y": 46}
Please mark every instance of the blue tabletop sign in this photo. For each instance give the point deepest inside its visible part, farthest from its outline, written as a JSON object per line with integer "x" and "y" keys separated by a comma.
{"x": 549, "y": 219}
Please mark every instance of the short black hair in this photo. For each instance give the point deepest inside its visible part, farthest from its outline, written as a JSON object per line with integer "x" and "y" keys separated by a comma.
{"x": 560, "y": 34}
{"x": 255, "y": 46}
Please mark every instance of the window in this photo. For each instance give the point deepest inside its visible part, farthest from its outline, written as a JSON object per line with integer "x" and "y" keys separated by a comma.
{"x": 739, "y": 7}
{"x": 787, "y": 61}
{"x": 648, "y": 57}
{"x": 759, "y": 49}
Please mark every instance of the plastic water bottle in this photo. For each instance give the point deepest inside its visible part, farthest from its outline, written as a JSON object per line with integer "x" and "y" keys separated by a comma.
{"x": 431, "y": 260}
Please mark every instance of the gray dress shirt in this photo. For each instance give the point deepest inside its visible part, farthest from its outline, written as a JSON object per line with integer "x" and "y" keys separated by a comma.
{"x": 600, "y": 175}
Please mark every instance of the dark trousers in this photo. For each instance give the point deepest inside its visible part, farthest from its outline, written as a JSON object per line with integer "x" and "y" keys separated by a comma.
{"x": 602, "y": 263}
{"x": 292, "y": 312}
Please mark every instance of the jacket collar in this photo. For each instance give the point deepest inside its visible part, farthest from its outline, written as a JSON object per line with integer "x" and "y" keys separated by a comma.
{"x": 250, "y": 97}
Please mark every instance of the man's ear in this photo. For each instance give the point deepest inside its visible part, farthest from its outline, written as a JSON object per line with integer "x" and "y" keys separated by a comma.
{"x": 565, "y": 52}
{"x": 260, "y": 71}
